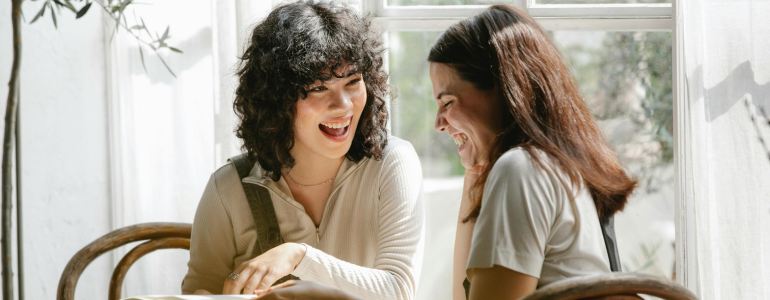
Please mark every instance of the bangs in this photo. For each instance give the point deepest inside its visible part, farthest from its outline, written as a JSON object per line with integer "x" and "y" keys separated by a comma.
{"x": 327, "y": 57}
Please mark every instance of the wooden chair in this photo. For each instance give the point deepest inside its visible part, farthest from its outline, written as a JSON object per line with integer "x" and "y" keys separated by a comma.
{"x": 612, "y": 286}
{"x": 159, "y": 236}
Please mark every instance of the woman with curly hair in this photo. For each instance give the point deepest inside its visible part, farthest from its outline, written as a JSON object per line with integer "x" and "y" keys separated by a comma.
{"x": 346, "y": 196}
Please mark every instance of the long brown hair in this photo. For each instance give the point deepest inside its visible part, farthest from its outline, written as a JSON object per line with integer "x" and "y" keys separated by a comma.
{"x": 503, "y": 47}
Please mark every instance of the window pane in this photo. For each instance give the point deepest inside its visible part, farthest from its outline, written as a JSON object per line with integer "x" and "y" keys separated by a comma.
{"x": 412, "y": 116}
{"x": 443, "y": 2}
{"x": 625, "y": 78}
{"x": 352, "y": 3}
{"x": 600, "y": 1}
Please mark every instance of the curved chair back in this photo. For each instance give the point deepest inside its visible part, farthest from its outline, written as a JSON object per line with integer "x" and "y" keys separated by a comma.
{"x": 614, "y": 284}
{"x": 159, "y": 236}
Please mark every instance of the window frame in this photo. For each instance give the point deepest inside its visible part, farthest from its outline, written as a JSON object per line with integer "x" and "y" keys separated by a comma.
{"x": 605, "y": 17}
{"x": 611, "y": 17}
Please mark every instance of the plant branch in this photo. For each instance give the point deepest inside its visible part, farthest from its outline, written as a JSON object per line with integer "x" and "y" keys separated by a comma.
{"x": 160, "y": 41}
{"x": 8, "y": 139}
{"x": 753, "y": 114}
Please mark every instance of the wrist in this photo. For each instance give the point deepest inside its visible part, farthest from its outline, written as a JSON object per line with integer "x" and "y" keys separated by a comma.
{"x": 299, "y": 253}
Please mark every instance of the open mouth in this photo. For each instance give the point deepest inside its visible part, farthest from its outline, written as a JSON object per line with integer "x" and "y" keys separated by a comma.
{"x": 336, "y": 129}
{"x": 460, "y": 139}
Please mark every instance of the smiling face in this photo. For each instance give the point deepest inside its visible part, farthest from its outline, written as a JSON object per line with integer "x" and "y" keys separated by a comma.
{"x": 469, "y": 115}
{"x": 327, "y": 119}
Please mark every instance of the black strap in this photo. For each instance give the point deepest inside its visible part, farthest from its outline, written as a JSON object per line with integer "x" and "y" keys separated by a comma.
{"x": 608, "y": 231}
{"x": 262, "y": 210}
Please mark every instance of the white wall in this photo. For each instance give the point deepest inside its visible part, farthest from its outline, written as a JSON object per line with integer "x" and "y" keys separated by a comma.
{"x": 64, "y": 145}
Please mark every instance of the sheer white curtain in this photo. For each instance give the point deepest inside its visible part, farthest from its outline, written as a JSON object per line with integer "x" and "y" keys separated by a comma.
{"x": 169, "y": 134}
{"x": 727, "y": 62}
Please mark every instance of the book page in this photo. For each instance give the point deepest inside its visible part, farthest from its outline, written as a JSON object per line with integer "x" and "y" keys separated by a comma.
{"x": 193, "y": 297}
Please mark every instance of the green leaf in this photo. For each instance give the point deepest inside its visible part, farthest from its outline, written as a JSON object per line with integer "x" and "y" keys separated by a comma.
{"x": 39, "y": 14}
{"x": 141, "y": 55}
{"x": 145, "y": 28}
{"x": 175, "y": 49}
{"x": 164, "y": 63}
{"x": 69, "y": 5}
{"x": 136, "y": 27}
{"x": 125, "y": 4}
{"x": 53, "y": 16}
{"x": 165, "y": 34}
{"x": 82, "y": 12}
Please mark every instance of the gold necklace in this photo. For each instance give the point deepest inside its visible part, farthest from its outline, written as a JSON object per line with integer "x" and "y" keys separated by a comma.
{"x": 302, "y": 185}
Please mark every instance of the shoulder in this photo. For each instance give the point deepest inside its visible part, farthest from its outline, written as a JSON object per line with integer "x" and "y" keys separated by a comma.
{"x": 227, "y": 185}
{"x": 518, "y": 163}
{"x": 517, "y": 176}
{"x": 399, "y": 164}
{"x": 397, "y": 147}
{"x": 397, "y": 152}
{"x": 226, "y": 176}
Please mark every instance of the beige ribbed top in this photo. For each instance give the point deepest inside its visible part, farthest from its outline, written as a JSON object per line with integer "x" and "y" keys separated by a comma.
{"x": 369, "y": 242}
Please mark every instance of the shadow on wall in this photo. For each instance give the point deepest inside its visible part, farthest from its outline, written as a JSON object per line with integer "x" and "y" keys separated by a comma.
{"x": 195, "y": 48}
{"x": 729, "y": 91}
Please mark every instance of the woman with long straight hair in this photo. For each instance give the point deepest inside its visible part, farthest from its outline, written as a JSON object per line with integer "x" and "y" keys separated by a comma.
{"x": 539, "y": 171}
{"x": 319, "y": 173}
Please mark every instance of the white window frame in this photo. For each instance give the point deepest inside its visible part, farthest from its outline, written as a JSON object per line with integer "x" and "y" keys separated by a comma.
{"x": 605, "y": 17}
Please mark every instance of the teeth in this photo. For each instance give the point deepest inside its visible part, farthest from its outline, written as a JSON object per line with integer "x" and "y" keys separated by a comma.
{"x": 337, "y": 125}
{"x": 460, "y": 138}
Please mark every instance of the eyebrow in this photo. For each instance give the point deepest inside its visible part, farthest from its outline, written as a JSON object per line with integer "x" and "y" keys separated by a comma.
{"x": 442, "y": 94}
{"x": 352, "y": 72}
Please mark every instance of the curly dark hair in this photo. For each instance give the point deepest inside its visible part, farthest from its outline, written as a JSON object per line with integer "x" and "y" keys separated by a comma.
{"x": 296, "y": 45}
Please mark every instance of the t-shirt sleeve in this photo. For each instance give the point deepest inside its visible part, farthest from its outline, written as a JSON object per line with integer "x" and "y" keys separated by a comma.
{"x": 517, "y": 210}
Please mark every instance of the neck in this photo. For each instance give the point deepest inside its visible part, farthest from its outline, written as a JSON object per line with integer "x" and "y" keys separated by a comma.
{"x": 311, "y": 168}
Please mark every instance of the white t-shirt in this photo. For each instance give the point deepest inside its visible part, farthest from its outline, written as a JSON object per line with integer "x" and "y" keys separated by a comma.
{"x": 528, "y": 224}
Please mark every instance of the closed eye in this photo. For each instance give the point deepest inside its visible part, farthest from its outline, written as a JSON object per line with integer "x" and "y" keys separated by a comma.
{"x": 317, "y": 89}
{"x": 447, "y": 104}
{"x": 354, "y": 81}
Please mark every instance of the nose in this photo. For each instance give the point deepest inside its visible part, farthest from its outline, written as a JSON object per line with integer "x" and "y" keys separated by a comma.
{"x": 341, "y": 101}
{"x": 441, "y": 123}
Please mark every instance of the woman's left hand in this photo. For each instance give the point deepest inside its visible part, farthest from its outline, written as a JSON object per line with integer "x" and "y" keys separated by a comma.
{"x": 303, "y": 290}
{"x": 264, "y": 270}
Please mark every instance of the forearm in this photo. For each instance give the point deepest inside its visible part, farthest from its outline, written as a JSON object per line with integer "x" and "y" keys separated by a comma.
{"x": 385, "y": 282}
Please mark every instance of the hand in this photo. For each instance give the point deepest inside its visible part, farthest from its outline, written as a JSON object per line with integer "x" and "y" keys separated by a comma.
{"x": 303, "y": 290}
{"x": 264, "y": 270}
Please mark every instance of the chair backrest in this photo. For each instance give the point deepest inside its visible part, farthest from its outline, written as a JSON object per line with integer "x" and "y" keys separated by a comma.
{"x": 613, "y": 284}
{"x": 159, "y": 236}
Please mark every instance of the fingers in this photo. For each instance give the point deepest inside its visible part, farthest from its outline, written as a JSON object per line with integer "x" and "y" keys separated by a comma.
{"x": 282, "y": 285}
{"x": 202, "y": 292}
{"x": 234, "y": 286}
{"x": 266, "y": 292}
{"x": 254, "y": 282}
{"x": 268, "y": 280}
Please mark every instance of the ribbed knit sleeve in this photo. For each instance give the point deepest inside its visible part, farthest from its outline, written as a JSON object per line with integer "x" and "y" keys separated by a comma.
{"x": 212, "y": 245}
{"x": 400, "y": 234}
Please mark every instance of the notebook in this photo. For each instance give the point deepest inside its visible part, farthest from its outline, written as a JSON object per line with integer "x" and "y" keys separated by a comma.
{"x": 193, "y": 297}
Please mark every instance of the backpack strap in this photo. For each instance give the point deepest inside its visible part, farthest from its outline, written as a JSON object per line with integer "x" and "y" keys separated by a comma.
{"x": 262, "y": 210}
{"x": 608, "y": 231}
